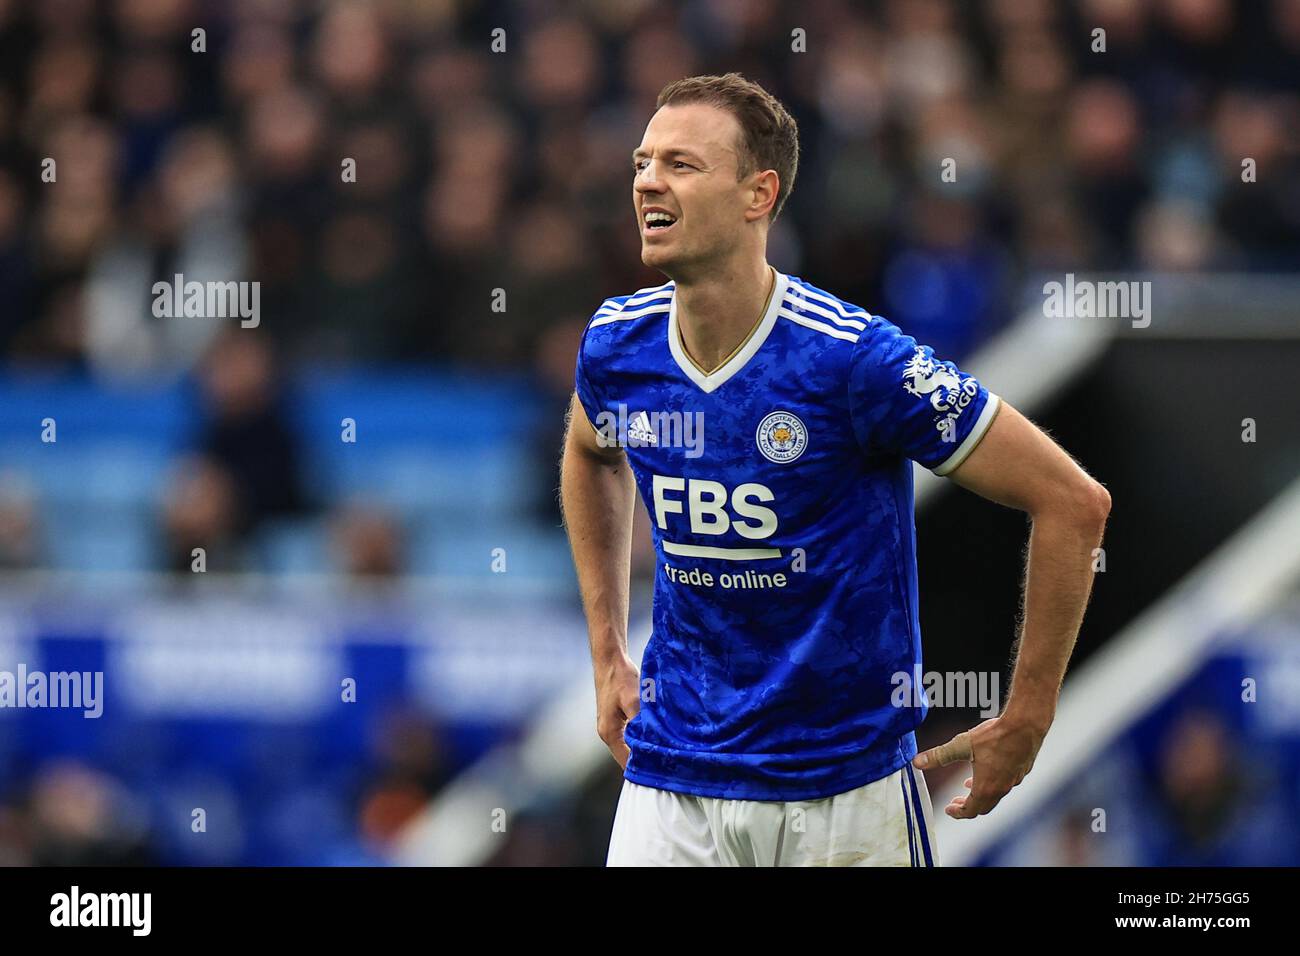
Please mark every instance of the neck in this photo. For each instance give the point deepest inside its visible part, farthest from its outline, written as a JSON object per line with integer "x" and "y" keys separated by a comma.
{"x": 718, "y": 312}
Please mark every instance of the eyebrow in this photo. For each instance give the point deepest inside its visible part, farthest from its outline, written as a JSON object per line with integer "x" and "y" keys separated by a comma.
{"x": 639, "y": 152}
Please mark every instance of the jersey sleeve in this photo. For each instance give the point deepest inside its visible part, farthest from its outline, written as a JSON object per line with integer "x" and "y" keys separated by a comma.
{"x": 905, "y": 401}
{"x": 582, "y": 381}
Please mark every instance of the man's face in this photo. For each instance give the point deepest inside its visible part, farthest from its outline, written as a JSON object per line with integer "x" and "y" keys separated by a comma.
{"x": 686, "y": 166}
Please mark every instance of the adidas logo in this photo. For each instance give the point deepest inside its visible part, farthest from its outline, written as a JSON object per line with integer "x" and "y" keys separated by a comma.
{"x": 675, "y": 429}
{"x": 638, "y": 429}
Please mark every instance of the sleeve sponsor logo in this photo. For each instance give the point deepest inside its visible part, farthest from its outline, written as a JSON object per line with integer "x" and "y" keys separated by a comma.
{"x": 949, "y": 394}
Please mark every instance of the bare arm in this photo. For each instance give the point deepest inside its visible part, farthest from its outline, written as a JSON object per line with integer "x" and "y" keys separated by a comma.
{"x": 1016, "y": 464}
{"x": 597, "y": 494}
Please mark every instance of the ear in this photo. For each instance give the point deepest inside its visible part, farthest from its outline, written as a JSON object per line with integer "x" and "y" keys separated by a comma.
{"x": 763, "y": 193}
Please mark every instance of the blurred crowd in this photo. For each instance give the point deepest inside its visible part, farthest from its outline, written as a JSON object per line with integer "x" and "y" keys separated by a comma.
{"x": 240, "y": 473}
{"x": 479, "y": 170}
{"x": 1197, "y": 793}
{"x": 73, "y": 811}
{"x": 491, "y": 143}
{"x": 1194, "y": 792}
{"x": 216, "y": 141}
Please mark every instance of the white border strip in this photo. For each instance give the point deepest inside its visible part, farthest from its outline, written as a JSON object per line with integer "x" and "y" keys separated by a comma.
{"x": 973, "y": 438}
{"x": 726, "y": 554}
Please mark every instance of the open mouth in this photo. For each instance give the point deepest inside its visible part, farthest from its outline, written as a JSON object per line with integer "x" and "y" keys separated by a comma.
{"x": 658, "y": 221}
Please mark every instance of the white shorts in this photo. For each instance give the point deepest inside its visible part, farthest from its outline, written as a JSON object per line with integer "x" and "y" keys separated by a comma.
{"x": 884, "y": 823}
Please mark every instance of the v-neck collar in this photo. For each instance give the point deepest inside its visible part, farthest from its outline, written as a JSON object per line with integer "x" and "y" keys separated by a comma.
{"x": 709, "y": 382}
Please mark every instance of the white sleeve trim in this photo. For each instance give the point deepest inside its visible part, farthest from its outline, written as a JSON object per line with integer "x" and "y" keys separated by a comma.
{"x": 966, "y": 447}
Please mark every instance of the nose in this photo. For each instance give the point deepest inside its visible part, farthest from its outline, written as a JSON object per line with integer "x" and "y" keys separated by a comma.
{"x": 647, "y": 177}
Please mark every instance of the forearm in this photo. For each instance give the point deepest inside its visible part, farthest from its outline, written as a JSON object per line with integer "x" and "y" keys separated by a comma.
{"x": 1058, "y": 582}
{"x": 598, "y": 496}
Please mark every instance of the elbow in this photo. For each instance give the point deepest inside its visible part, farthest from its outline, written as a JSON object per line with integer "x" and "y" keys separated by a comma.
{"x": 1091, "y": 506}
{"x": 1084, "y": 505}
{"x": 1103, "y": 501}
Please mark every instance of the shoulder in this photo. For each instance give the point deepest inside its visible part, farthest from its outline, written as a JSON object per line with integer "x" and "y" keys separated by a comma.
{"x": 636, "y": 310}
{"x": 832, "y": 333}
{"x": 870, "y": 337}
{"x": 624, "y": 322}
{"x": 823, "y": 317}
{"x": 828, "y": 331}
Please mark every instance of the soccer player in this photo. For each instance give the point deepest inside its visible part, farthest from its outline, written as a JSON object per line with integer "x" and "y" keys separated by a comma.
{"x": 770, "y": 427}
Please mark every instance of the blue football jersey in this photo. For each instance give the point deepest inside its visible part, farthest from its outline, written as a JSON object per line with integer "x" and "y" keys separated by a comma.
{"x": 779, "y": 488}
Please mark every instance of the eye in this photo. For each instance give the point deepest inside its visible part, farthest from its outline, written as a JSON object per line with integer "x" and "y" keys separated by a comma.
{"x": 639, "y": 164}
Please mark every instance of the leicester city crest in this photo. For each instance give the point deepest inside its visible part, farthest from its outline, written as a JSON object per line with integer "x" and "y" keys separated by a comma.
{"x": 781, "y": 437}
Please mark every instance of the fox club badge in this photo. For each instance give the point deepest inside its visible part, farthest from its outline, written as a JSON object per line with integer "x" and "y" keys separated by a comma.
{"x": 781, "y": 437}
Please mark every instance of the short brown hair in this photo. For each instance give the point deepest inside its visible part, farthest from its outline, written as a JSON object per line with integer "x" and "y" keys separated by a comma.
{"x": 770, "y": 136}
